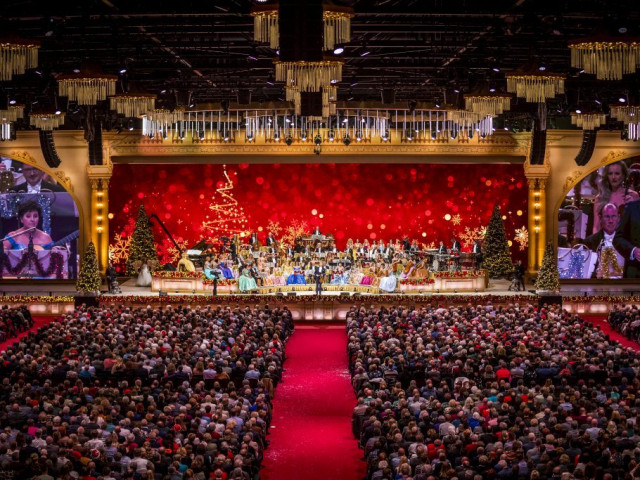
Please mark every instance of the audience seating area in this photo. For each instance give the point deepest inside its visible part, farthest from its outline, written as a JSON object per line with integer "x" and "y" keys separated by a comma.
{"x": 626, "y": 320}
{"x": 13, "y": 321}
{"x": 475, "y": 393}
{"x": 116, "y": 393}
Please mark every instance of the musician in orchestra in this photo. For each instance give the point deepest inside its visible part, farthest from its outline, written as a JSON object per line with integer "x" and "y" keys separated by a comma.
{"x": 234, "y": 248}
{"x": 477, "y": 249}
{"x": 29, "y": 217}
{"x": 455, "y": 245}
{"x": 271, "y": 240}
{"x": 613, "y": 188}
{"x": 442, "y": 250}
{"x": 316, "y": 232}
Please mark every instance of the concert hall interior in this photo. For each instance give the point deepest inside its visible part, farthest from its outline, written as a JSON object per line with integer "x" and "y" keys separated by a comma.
{"x": 207, "y": 183}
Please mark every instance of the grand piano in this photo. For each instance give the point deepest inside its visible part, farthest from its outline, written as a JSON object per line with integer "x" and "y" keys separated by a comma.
{"x": 197, "y": 252}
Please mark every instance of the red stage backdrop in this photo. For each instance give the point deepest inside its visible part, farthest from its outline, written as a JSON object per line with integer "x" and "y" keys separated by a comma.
{"x": 359, "y": 201}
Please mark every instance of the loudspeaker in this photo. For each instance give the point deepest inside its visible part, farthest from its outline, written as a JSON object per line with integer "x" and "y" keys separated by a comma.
{"x": 95, "y": 146}
{"x": 538, "y": 146}
{"x": 88, "y": 300}
{"x": 586, "y": 149}
{"x": 279, "y": 294}
{"x": 49, "y": 148}
{"x": 344, "y": 294}
{"x": 311, "y": 104}
{"x": 244, "y": 96}
{"x": 550, "y": 300}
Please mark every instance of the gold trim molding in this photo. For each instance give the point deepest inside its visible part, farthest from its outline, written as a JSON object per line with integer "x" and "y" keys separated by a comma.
{"x": 58, "y": 174}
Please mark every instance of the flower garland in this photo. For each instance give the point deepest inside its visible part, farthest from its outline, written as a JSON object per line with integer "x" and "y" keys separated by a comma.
{"x": 615, "y": 299}
{"x": 328, "y": 299}
{"x": 26, "y": 299}
{"x": 221, "y": 283}
{"x": 417, "y": 281}
{"x": 56, "y": 262}
{"x": 179, "y": 275}
{"x": 466, "y": 274}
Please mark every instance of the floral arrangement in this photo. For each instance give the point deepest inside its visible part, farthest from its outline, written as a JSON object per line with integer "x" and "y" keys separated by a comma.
{"x": 26, "y": 299}
{"x": 221, "y": 283}
{"x": 619, "y": 299}
{"x": 178, "y": 275}
{"x": 327, "y": 299}
{"x": 417, "y": 281}
{"x": 461, "y": 275}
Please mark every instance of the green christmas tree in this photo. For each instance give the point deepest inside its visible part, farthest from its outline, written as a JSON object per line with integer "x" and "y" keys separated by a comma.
{"x": 143, "y": 247}
{"x": 89, "y": 280}
{"x": 548, "y": 279}
{"x": 497, "y": 259}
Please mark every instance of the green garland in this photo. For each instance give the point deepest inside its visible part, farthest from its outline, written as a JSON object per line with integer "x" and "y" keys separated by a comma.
{"x": 27, "y": 299}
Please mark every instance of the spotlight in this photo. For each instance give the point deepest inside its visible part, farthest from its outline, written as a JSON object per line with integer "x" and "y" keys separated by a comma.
{"x": 622, "y": 100}
{"x": 201, "y": 135}
{"x": 496, "y": 69}
{"x": 409, "y": 137}
{"x": 622, "y": 30}
{"x": 333, "y": 81}
{"x": 76, "y": 70}
{"x": 288, "y": 140}
{"x": 249, "y": 137}
{"x": 346, "y": 140}
{"x": 385, "y": 136}
{"x": 358, "y": 137}
{"x": 123, "y": 70}
{"x": 317, "y": 139}
{"x": 492, "y": 89}
{"x": 276, "y": 136}
{"x": 12, "y": 102}
{"x": 226, "y": 137}
{"x": 164, "y": 90}
{"x": 130, "y": 125}
{"x": 303, "y": 137}
{"x": 338, "y": 50}
{"x": 58, "y": 112}
{"x": 542, "y": 67}
{"x": 182, "y": 134}
{"x": 365, "y": 53}
{"x": 332, "y": 135}
{"x": 578, "y": 110}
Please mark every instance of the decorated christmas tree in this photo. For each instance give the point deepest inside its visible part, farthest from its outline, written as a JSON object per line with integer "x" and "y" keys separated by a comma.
{"x": 227, "y": 217}
{"x": 497, "y": 259}
{"x": 548, "y": 279}
{"x": 143, "y": 247}
{"x": 89, "y": 280}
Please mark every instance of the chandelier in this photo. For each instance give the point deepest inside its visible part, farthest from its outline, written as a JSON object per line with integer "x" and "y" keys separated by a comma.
{"x": 336, "y": 20}
{"x": 607, "y": 57}
{"x": 329, "y": 98}
{"x": 535, "y": 86}
{"x": 13, "y": 113}
{"x": 486, "y": 104}
{"x": 132, "y": 104}
{"x": 630, "y": 116}
{"x": 309, "y": 76}
{"x": 462, "y": 121}
{"x": 5, "y": 130}
{"x": 46, "y": 120}
{"x": 161, "y": 121}
{"x": 588, "y": 121}
{"x": 16, "y": 56}
{"x": 87, "y": 88}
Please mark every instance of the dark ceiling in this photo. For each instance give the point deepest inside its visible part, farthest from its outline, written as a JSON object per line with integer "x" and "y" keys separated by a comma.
{"x": 426, "y": 50}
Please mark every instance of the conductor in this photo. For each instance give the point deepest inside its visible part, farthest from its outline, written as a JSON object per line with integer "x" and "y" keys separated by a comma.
{"x": 318, "y": 275}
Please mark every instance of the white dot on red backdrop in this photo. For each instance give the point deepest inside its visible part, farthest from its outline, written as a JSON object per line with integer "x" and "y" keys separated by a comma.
{"x": 369, "y": 201}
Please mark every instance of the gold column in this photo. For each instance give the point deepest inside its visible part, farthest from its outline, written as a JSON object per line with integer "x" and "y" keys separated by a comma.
{"x": 537, "y": 177}
{"x": 99, "y": 176}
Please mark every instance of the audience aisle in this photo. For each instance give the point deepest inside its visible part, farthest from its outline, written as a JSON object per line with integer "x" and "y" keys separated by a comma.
{"x": 38, "y": 322}
{"x": 311, "y": 436}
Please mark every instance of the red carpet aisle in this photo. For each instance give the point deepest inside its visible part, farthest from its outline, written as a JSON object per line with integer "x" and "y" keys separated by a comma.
{"x": 312, "y": 438}
{"x": 601, "y": 321}
{"x": 37, "y": 323}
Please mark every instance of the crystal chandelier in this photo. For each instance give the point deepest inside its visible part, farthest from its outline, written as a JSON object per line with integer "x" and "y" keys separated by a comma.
{"x": 309, "y": 76}
{"x": 13, "y": 113}
{"x": 630, "y": 116}
{"x": 16, "y": 56}
{"x": 87, "y": 88}
{"x": 336, "y": 20}
{"x": 607, "y": 57}
{"x": 161, "y": 121}
{"x": 132, "y": 104}
{"x": 588, "y": 121}
{"x": 463, "y": 121}
{"x": 535, "y": 86}
{"x": 485, "y": 104}
{"x": 5, "y": 130}
{"x": 329, "y": 98}
{"x": 46, "y": 120}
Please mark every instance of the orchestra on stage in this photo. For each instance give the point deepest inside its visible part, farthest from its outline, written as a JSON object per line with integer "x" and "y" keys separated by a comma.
{"x": 315, "y": 259}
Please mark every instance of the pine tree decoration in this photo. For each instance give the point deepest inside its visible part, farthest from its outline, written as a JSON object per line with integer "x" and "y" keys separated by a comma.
{"x": 497, "y": 259}
{"x": 548, "y": 279}
{"x": 89, "y": 280}
{"x": 143, "y": 247}
{"x": 227, "y": 216}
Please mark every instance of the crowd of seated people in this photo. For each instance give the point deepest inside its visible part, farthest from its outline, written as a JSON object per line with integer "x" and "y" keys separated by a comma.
{"x": 626, "y": 320}
{"x": 13, "y": 321}
{"x": 477, "y": 392}
{"x": 118, "y": 393}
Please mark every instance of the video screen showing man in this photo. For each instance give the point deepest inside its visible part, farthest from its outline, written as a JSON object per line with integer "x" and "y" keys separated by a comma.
{"x": 34, "y": 182}
{"x": 609, "y": 219}
{"x": 627, "y": 239}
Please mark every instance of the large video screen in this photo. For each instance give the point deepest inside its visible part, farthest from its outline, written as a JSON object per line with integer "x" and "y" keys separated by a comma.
{"x": 39, "y": 222}
{"x": 362, "y": 202}
{"x": 598, "y": 225}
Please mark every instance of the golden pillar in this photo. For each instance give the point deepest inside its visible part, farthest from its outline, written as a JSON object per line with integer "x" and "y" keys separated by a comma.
{"x": 537, "y": 177}
{"x": 99, "y": 176}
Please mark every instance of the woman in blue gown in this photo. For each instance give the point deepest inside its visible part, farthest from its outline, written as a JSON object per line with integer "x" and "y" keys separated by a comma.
{"x": 226, "y": 271}
{"x": 297, "y": 277}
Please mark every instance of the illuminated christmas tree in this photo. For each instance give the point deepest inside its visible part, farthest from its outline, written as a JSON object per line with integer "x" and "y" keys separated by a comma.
{"x": 227, "y": 217}
{"x": 89, "y": 280}
{"x": 497, "y": 259}
{"x": 548, "y": 279}
{"x": 143, "y": 247}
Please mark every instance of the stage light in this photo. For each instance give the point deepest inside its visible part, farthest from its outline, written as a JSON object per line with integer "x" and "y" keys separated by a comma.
{"x": 622, "y": 100}
{"x": 332, "y": 135}
{"x": 201, "y": 135}
{"x": 226, "y": 137}
{"x": 385, "y": 136}
{"x": 346, "y": 140}
{"x": 303, "y": 137}
{"x": 123, "y": 70}
{"x": 358, "y": 137}
{"x": 58, "y": 112}
{"x": 249, "y": 137}
{"x": 288, "y": 140}
{"x": 12, "y": 102}
{"x": 130, "y": 125}
{"x": 365, "y": 53}
{"x": 276, "y": 137}
{"x": 496, "y": 69}
{"x": 317, "y": 139}
{"x": 338, "y": 50}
